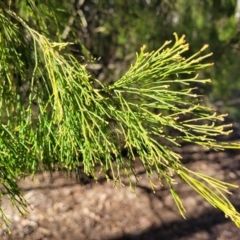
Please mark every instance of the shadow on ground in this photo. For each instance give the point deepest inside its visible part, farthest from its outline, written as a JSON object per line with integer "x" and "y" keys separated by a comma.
{"x": 206, "y": 226}
{"x": 60, "y": 208}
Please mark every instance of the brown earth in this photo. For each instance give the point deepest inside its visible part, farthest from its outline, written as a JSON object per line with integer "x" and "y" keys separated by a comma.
{"x": 61, "y": 208}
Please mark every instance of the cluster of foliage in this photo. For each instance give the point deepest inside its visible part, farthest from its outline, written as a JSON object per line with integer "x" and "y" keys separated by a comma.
{"x": 113, "y": 30}
{"x": 56, "y": 115}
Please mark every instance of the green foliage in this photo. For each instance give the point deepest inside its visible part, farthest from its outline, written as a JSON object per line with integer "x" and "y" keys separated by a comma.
{"x": 116, "y": 30}
{"x": 53, "y": 116}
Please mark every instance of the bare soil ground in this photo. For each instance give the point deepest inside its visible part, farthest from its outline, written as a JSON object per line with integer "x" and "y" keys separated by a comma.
{"x": 61, "y": 208}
